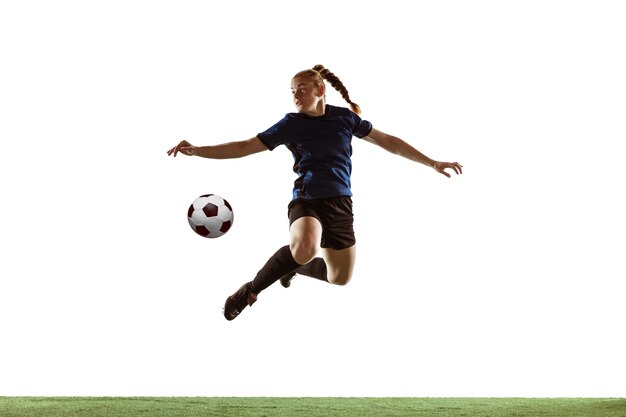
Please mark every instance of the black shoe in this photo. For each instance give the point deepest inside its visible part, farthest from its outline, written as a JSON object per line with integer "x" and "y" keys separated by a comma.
{"x": 285, "y": 281}
{"x": 238, "y": 301}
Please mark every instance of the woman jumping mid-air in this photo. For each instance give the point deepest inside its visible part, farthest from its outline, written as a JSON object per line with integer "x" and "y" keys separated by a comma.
{"x": 320, "y": 213}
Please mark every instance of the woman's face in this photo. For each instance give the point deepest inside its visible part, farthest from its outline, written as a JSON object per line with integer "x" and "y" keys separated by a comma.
{"x": 306, "y": 95}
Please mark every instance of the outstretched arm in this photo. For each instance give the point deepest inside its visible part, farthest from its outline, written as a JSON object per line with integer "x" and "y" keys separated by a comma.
{"x": 222, "y": 151}
{"x": 399, "y": 147}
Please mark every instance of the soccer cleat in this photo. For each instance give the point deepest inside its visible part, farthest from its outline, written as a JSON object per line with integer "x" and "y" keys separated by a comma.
{"x": 285, "y": 281}
{"x": 238, "y": 301}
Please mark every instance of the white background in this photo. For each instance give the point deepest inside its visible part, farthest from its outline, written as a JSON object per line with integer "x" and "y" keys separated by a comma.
{"x": 505, "y": 281}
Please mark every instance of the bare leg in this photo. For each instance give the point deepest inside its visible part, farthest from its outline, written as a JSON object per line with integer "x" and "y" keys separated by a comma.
{"x": 340, "y": 264}
{"x": 306, "y": 233}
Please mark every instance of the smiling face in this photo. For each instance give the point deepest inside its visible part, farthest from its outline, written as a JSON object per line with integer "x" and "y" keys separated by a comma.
{"x": 307, "y": 96}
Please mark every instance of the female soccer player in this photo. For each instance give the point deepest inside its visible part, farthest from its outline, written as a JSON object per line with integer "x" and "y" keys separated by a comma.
{"x": 320, "y": 213}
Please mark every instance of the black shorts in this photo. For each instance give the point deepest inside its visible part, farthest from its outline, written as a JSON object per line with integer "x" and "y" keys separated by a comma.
{"x": 335, "y": 215}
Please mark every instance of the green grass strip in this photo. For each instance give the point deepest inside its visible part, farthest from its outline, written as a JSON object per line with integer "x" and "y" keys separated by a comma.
{"x": 309, "y": 407}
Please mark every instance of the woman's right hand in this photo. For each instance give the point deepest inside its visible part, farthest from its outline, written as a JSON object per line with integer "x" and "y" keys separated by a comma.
{"x": 183, "y": 147}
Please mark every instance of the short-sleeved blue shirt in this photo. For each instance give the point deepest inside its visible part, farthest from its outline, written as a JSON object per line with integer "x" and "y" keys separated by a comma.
{"x": 321, "y": 148}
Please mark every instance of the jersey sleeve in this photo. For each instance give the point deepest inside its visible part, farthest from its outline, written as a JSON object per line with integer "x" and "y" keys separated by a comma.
{"x": 362, "y": 127}
{"x": 275, "y": 135}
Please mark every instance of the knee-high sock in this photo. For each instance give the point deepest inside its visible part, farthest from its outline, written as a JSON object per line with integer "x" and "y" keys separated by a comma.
{"x": 315, "y": 269}
{"x": 278, "y": 265}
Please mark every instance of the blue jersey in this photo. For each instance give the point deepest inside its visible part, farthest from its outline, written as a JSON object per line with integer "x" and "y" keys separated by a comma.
{"x": 321, "y": 148}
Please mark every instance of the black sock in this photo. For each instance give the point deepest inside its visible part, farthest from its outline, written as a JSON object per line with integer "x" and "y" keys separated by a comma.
{"x": 280, "y": 264}
{"x": 315, "y": 269}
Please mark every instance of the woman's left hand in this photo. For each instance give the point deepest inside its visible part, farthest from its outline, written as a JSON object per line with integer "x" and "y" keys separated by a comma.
{"x": 440, "y": 167}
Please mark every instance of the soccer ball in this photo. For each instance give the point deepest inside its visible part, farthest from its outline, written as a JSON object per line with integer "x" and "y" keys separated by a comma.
{"x": 210, "y": 216}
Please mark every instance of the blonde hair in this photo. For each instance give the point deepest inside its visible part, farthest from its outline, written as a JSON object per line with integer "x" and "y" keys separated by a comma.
{"x": 318, "y": 74}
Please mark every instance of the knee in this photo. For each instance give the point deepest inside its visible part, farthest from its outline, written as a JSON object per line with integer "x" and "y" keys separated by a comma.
{"x": 339, "y": 278}
{"x": 303, "y": 251}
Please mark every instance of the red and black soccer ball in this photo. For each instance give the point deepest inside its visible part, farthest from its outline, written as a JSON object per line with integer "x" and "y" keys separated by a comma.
{"x": 210, "y": 216}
